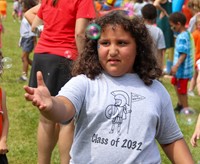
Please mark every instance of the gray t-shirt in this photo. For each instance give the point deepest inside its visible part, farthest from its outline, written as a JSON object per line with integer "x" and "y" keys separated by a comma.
{"x": 157, "y": 35}
{"x": 119, "y": 118}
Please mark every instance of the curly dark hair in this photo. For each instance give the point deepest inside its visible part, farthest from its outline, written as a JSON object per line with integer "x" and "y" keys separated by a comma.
{"x": 145, "y": 65}
{"x": 177, "y": 17}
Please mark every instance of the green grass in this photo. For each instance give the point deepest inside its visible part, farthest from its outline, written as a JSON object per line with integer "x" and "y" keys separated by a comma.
{"x": 24, "y": 117}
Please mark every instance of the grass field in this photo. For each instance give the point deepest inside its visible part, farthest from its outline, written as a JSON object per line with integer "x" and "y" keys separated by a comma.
{"x": 23, "y": 116}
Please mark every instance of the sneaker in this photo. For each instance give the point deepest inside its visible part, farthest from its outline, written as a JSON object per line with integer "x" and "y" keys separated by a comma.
{"x": 23, "y": 78}
{"x": 191, "y": 93}
{"x": 178, "y": 108}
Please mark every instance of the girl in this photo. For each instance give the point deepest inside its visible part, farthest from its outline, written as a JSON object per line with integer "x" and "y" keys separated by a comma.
{"x": 27, "y": 40}
{"x": 61, "y": 41}
{"x": 196, "y": 36}
{"x": 115, "y": 99}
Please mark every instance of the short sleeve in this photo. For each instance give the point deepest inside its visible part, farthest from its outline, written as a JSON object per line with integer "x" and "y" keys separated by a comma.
{"x": 86, "y": 9}
{"x": 182, "y": 46}
{"x": 161, "y": 40}
{"x": 75, "y": 91}
{"x": 168, "y": 130}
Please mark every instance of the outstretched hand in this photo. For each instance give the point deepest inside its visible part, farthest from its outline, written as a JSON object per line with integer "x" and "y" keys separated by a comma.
{"x": 39, "y": 96}
{"x": 196, "y": 134}
{"x": 195, "y": 137}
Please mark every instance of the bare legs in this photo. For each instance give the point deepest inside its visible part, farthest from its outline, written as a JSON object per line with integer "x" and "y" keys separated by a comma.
{"x": 48, "y": 135}
{"x": 65, "y": 141}
{"x": 182, "y": 98}
{"x": 47, "y": 138}
{"x": 193, "y": 81}
{"x": 26, "y": 62}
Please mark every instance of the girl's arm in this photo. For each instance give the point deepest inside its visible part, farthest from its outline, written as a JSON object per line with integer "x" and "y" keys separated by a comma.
{"x": 5, "y": 127}
{"x": 179, "y": 62}
{"x": 36, "y": 22}
{"x": 57, "y": 109}
{"x": 178, "y": 152}
{"x": 31, "y": 13}
{"x": 196, "y": 134}
{"x": 80, "y": 27}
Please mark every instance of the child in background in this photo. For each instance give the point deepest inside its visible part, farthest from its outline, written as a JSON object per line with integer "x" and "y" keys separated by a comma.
{"x": 15, "y": 10}
{"x": 20, "y": 10}
{"x": 115, "y": 99}
{"x": 194, "y": 6}
{"x": 182, "y": 69}
{"x": 196, "y": 36}
{"x": 137, "y": 7}
{"x": 4, "y": 124}
{"x": 3, "y": 9}
{"x": 27, "y": 40}
{"x": 149, "y": 14}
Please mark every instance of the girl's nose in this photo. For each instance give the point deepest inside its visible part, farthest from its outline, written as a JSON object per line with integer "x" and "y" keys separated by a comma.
{"x": 113, "y": 50}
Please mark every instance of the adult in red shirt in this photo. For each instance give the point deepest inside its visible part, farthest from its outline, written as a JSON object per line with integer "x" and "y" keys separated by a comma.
{"x": 60, "y": 42}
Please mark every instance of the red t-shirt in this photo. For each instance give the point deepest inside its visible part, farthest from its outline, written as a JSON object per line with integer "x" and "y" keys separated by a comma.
{"x": 58, "y": 35}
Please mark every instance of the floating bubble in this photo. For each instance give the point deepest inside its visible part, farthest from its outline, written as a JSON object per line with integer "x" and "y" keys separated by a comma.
{"x": 93, "y": 31}
{"x": 68, "y": 54}
{"x": 6, "y": 62}
{"x": 188, "y": 116}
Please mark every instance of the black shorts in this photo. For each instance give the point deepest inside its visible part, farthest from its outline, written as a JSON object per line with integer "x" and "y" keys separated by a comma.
{"x": 27, "y": 44}
{"x": 56, "y": 71}
{"x": 3, "y": 159}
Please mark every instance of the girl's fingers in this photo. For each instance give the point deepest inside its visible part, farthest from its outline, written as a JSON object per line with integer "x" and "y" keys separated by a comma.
{"x": 40, "y": 80}
{"x": 29, "y": 89}
{"x": 28, "y": 97}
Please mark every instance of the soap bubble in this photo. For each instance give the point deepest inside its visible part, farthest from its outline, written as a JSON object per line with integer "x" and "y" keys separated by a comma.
{"x": 93, "y": 31}
{"x": 6, "y": 62}
{"x": 68, "y": 54}
{"x": 188, "y": 116}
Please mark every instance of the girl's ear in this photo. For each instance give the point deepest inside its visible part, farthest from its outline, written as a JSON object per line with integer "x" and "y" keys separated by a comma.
{"x": 179, "y": 23}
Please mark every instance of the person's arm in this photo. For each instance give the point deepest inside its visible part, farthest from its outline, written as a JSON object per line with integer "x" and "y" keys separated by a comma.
{"x": 178, "y": 152}
{"x": 196, "y": 134}
{"x": 159, "y": 7}
{"x": 58, "y": 109}
{"x": 5, "y": 127}
{"x": 180, "y": 61}
{"x": 36, "y": 22}
{"x": 31, "y": 13}
{"x": 80, "y": 28}
{"x": 160, "y": 55}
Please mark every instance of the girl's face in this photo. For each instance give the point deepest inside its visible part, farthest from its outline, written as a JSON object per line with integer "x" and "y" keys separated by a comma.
{"x": 117, "y": 50}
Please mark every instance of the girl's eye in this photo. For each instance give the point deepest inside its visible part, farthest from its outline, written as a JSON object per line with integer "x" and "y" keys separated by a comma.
{"x": 122, "y": 43}
{"x": 104, "y": 43}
